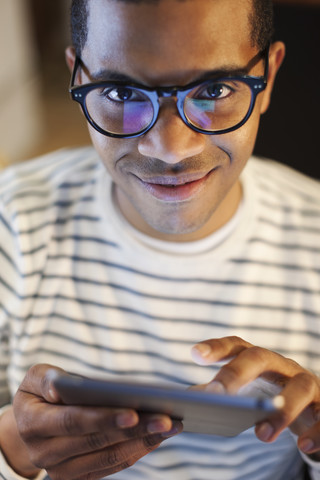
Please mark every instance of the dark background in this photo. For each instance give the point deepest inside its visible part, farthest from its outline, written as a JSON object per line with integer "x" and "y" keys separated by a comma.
{"x": 290, "y": 130}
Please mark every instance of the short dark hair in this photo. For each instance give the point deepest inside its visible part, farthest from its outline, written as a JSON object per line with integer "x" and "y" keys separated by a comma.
{"x": 79, "y": 24}
{"x": 261, "y": 21}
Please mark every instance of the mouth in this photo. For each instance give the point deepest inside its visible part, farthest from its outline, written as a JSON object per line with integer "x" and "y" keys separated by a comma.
{"x": 176, "y": 188}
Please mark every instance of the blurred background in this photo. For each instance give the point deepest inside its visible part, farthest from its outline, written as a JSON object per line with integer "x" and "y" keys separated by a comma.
{"x": 37, "y": 115}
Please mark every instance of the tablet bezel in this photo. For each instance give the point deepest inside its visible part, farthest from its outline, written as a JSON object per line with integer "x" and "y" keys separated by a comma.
{"x": 201, "y": 412}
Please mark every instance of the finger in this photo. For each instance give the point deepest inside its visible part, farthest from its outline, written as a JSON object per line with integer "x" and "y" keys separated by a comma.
{"x": 35, "y": 417}
{"x": 129, "y": 462}
{"x": 251, "y": 363}
{"x": 71, "y": 421}
{"x": 60, "y": 420}
{"x": 47, "y": 452}
{"x": 38, "y": 419}
{"x": 300, "y": 391}
{"x": 309, "y": 442}
{"x": 217, "y": 349}
{"x": 199, "y": 387}
{"x": 94, "y": 475}
{"x": 107, "y": 461}
{"x": 38, "y": 381}
{"x": 58, "y": 449}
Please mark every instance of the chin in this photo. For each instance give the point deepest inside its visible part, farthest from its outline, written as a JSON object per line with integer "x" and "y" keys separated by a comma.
{"x": 176, "y": 227}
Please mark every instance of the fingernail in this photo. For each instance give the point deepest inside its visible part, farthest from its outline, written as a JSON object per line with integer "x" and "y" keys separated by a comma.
{"x": 176, "y": 428}
{"x": 126, "y": 420}
{"x": 51, "y": 375}
{"x": 157, "y": 425}
{"x": 306, "y": 445}
{"x": 265, "y": 431}
{"x": 200, "y": 352}
{"x": 54, "y": 397}
{"x": 203, "y": 348}
{"x": 215, "y": 387}
{"x": 174, "y": 431}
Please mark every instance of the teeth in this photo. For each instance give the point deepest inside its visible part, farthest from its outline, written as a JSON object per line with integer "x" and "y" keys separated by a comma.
{"x": 174, "y": 186}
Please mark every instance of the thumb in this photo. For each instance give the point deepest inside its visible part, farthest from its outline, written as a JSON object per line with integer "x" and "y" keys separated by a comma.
{"x": 39, "y": 381}
{"x": 51, "y": 395}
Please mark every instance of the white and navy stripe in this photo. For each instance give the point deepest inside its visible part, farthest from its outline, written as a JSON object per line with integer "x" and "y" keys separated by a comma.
{"x": 79, "y": 289}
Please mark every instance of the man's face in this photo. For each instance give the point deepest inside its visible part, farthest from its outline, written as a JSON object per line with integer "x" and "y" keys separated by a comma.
{"x": 173, "y": 182}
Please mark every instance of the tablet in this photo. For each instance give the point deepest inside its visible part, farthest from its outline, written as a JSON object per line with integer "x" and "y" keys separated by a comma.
{"x": 200, "y": 411}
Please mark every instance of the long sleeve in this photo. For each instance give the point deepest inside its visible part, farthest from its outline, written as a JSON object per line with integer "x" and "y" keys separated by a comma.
{"x": 10, "y": 281}
{"x": 314, "y": 467}
{"x": 6, "y": 472}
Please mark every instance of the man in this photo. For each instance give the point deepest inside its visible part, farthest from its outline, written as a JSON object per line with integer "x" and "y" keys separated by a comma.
{"x": 116, "y": 264}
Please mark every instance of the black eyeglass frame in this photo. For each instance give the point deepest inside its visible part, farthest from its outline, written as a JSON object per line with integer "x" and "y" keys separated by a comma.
{"x": 257, "y": 85}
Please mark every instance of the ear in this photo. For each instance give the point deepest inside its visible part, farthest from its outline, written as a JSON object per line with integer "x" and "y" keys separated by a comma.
{"x": 70, "y": 55}
{"x": 276, "y": 57}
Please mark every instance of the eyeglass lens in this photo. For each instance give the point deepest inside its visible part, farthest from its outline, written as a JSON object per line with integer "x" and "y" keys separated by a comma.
{"x": 211, "y": 106}
{"x": 218, "y": 106}
{"x": 120, "y": 110}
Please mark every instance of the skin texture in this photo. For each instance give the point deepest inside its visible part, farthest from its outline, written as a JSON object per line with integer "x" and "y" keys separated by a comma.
{"x": 154, "y": 48}
{"x": 300, "y": 388}
{"x": 72, "y": 442}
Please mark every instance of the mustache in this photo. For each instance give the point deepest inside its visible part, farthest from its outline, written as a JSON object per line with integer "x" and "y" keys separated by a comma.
{"x": 156, "y": 166}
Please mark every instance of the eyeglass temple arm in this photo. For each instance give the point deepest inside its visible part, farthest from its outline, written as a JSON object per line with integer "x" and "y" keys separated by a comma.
{"x": 265, "y": 53}
{"x": 77, "y": 63}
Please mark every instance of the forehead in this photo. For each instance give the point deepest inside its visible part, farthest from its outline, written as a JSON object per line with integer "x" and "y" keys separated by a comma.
{"x": 155, "y": 39}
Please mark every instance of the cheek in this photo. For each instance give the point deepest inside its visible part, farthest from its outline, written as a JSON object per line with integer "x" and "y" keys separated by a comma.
{"x": 101, "y": 143}
{"x": 109, "y": 149}
{"x": 240, "y": 143}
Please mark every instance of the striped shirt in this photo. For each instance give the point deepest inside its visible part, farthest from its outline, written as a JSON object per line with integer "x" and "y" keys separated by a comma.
{"x": 82, "y": 289}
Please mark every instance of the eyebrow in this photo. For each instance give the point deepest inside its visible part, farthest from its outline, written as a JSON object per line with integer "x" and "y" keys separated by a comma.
{"x": 106, "y": 75}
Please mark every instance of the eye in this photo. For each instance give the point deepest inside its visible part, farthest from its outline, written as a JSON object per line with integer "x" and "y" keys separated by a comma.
{"x": 119, "y": 94}
{"x": 214, "y": 91}
{"x": 218, "y": 90}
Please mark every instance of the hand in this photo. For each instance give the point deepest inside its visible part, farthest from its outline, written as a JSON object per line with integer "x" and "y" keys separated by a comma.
{"x": 11, "y": 443}
{"x": 299, "y": 387}
{"x": 77, "y": 442}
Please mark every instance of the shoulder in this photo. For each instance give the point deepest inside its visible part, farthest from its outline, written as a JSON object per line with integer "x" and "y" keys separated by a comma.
{"x": 47, "y": 173}
{"x": 283, "y": 185}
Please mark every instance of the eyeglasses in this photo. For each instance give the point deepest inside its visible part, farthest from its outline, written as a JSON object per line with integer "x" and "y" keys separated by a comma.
{"x": 213, "y": 107}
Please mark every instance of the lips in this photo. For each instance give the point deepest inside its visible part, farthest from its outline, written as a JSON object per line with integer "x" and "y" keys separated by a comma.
{"x": 175, "y": 188}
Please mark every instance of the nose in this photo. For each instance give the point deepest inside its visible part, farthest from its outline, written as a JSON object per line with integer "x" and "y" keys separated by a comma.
{"x": 170, "y": 139}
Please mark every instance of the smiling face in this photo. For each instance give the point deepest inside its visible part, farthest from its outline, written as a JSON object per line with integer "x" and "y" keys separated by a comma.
{"x": 172, "y": 182}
